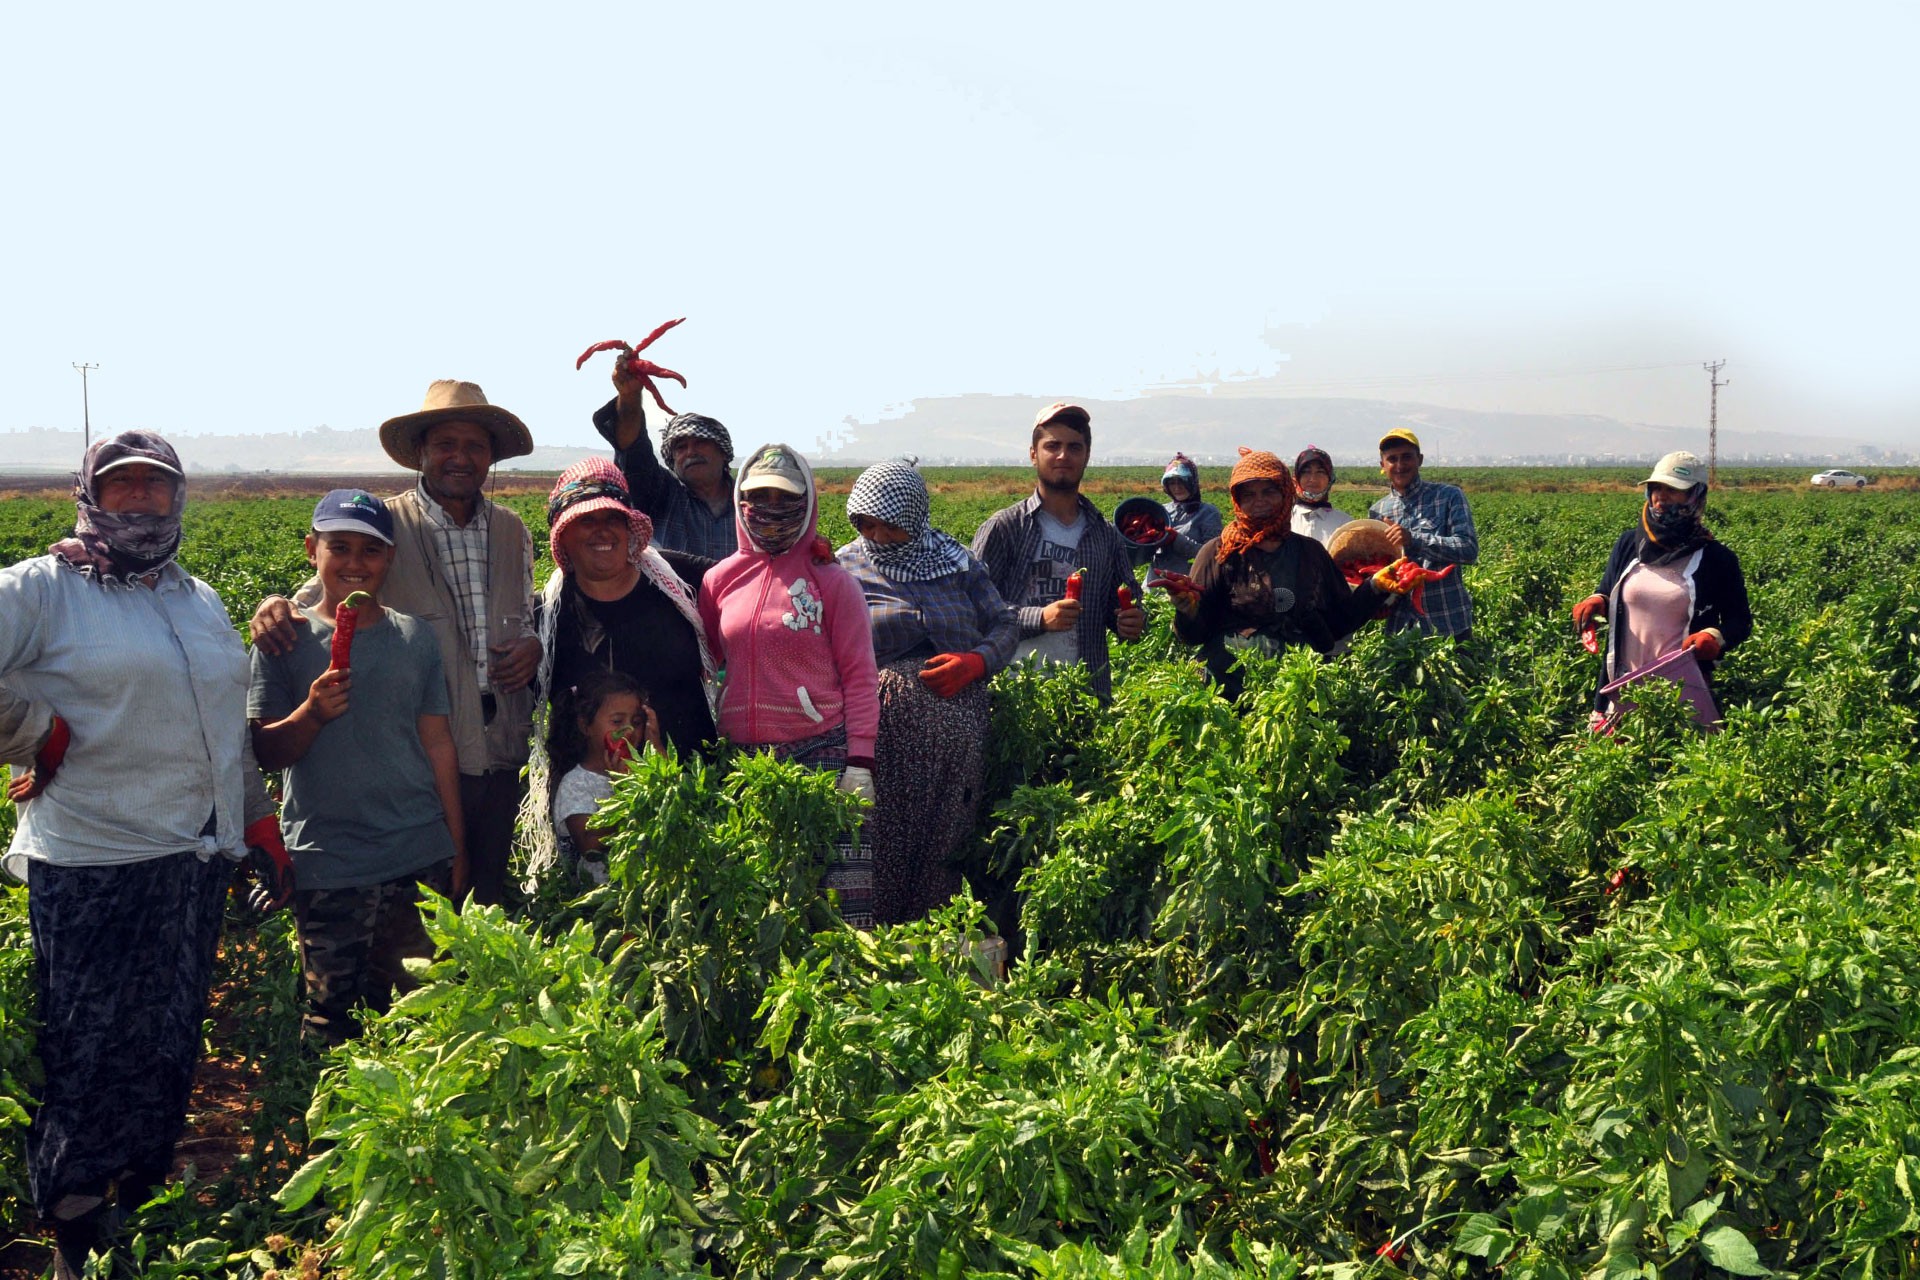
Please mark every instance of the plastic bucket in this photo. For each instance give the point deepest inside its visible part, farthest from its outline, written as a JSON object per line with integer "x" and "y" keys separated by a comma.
{"x": 1139, "y": 512}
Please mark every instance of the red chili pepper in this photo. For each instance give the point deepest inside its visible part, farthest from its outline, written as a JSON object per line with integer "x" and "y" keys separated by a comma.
{"x": 1392, "y": 1252}
{"x": 1075, "y": 581}
{"x": 645, "y": 370}
{"x": 619, "y": 749}
{"x": 1125, "y": 596}
{"x": 346, "y": 620}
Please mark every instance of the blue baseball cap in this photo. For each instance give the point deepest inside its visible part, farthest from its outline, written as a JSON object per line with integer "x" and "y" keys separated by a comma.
{"x": 353, "y": 511}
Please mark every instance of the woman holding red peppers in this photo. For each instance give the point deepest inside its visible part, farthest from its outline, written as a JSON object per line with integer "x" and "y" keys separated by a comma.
{"x": 1260, "y": 585}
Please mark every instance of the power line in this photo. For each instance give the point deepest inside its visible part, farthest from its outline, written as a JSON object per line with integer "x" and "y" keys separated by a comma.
{"x": 1713, "y": 420}
{"x": 86, "y": 412}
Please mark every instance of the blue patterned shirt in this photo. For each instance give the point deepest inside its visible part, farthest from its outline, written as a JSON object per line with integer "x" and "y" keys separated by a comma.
{"x": 1439, "y": 533}
{"x": 959, "y": 613}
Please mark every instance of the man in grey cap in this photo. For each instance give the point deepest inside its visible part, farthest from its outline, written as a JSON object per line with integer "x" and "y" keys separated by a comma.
{"x": 464, "y": 566}
{"x": 690, "y": 498}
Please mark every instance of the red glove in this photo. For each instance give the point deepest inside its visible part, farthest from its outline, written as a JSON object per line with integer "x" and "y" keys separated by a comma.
{"x": 46, "y": 763}
{"x": 268, "y": 865}
{"x": 948, "y": 673}
{"x": 1583, "y": 613}
{"x": 1704, "y": 643}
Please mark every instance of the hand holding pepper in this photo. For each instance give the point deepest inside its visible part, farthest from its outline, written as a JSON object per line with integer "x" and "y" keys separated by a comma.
{"x": 1706, "y": 644}
{"x": 46, "y": 763}
{"x": 1392, "y": 580}
{"x": 946, "y": 674}
{"x": 327, "y": 696}
{"x": 1061, "y": 615}
{"x": 1182, "y": 590}
{"x": 1586, "y": 613}
{"x": 1129, "y": 619}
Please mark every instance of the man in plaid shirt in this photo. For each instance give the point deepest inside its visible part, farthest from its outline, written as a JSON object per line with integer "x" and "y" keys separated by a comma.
{"x": 1031, "y": 547}
{"x": 1429, "y": 522}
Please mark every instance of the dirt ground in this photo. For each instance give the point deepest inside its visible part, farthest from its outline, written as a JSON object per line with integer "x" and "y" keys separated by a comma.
{"x": 219, "y": 1123}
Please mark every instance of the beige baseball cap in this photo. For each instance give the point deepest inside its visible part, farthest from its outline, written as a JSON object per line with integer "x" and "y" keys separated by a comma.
{"x": 1063, "y": 412}
{"x": 1678, "y": 470}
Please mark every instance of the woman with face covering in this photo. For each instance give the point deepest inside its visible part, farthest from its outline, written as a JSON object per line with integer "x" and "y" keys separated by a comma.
{"x": 792, "y": 636}
{"x": 1313, "y": 511}
{"x": 1669, "y": 584}
{"x": 123, "y": 685}
{"x": 1260, "y": 585}
{"x": 939, "y": 630}
{"x": 1191, "y": 523}
{"x": 615, "y": 602}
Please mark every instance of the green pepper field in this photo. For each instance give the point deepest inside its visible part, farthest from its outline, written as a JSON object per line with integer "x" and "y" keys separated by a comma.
{"x": 1390, "y": 969}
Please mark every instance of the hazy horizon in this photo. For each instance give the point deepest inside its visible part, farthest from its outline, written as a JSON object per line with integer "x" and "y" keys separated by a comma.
{"x": 256, "y": 219}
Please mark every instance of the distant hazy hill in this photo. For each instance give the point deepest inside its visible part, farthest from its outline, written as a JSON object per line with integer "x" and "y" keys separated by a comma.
{"x": 982, "y": 428}
{"x": 320, "y": 450}
{"x": 995, "y": 429}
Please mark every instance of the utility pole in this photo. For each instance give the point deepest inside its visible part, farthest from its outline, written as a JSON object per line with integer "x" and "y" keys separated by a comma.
{"x": 1713, "y": 421}
{"x": 86, "y": 413}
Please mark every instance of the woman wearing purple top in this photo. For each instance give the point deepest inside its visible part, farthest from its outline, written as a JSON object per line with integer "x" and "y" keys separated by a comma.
{"x": 939, "y": 629}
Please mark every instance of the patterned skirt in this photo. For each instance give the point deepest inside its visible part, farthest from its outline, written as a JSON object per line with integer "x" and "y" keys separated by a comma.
{"x": 930, "y": 771}
{"x": 123, "y": 957}
{"x": 849, "y": 872}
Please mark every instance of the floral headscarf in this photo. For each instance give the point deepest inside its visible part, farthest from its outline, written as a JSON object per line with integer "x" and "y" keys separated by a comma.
{"x": 120, "y": 546}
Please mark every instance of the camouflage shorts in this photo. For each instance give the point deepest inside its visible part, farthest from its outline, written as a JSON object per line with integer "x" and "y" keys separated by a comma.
{"x": 353, "y": 947}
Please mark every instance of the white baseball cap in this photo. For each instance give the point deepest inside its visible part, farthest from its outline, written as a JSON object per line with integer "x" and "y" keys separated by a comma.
{"x": 1678, "y": 470}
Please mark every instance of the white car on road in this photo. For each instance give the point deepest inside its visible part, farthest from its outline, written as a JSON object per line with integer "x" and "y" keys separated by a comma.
{"x": 1839, "y": 480}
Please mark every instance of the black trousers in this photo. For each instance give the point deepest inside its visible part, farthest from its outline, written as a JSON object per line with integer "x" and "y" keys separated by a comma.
{"x": 123, "y": 956}
{"x": 489, "y": 802}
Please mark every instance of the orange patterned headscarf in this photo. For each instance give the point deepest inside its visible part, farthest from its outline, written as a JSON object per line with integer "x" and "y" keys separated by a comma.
{"x": 1245, "y": 531}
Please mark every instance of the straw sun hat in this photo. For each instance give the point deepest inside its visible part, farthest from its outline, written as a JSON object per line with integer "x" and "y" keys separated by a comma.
{"x": 451, "y": 401}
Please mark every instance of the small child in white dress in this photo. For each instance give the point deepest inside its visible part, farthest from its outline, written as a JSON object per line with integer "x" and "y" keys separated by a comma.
{"x": 611, "y": 711}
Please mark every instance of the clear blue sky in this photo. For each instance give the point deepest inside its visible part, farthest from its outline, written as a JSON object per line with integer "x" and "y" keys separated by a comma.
{"x": 262, "y": 218}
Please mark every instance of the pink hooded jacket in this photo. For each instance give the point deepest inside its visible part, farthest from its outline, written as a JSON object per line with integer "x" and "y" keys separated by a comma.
{"x": 794, "y": 639}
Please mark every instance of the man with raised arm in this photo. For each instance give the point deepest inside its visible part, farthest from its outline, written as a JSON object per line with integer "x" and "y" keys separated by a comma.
{"x": 690, "y": 497}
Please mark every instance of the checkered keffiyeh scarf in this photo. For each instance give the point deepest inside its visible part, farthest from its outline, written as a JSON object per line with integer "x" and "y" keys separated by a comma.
{"x": 894, "y": 492}
{"x": 694, "y": 426}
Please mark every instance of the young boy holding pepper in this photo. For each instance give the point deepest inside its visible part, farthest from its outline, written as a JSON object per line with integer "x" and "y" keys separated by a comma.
{"x": 373, "y": 783}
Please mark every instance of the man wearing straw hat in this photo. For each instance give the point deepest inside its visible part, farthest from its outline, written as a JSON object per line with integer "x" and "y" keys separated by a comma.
{"x": 463, "y": 566}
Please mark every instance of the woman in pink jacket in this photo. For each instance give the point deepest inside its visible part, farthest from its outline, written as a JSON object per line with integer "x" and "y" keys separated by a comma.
{"x": 793, "y": 637}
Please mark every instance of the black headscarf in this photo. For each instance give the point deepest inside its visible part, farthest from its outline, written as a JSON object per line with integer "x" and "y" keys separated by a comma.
{"x": 119, "y": 546}
{"x": 1674, "y": 532}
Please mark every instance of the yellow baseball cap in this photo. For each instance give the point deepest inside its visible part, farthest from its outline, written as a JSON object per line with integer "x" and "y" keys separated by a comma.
{"x": 1399, "y": 433}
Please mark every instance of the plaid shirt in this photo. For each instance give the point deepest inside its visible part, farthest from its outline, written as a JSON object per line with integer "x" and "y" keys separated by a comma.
{"x": 681, "y": 520}
{"x": 1008, "y": 543}
{"x": 959, "y": 613}
{"x": 464, "y": 555}
{"x": 1439, "y": 533}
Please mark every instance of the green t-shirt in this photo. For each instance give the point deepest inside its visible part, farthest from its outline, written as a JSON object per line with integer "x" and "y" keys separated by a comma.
{"x": 361, "y": 806}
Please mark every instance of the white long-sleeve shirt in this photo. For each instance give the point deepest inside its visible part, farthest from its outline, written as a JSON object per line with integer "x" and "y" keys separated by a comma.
{"x": 152, "y": 683}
